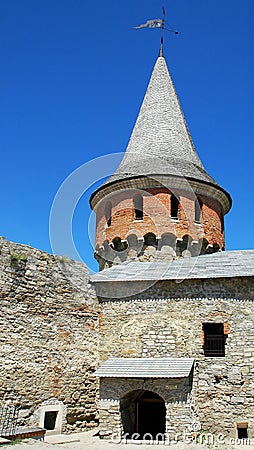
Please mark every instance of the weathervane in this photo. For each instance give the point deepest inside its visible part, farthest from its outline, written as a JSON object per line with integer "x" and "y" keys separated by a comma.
{"x": 158, "y": 23}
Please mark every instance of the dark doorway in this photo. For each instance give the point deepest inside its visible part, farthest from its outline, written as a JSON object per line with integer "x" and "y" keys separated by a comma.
{"x": 151, "y": 415}
{"x": 50, "y": 420}
{"x": 144, "y": 412}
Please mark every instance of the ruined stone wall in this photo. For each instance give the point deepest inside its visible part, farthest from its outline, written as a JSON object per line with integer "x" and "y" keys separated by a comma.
{"x": 167, "y": 319}
{"x": 49, "y": 321}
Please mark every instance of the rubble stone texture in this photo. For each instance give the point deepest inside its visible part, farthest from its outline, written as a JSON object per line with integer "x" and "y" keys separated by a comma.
{"x": 166, "y": 320}
{"x": 54, "y": 333}
{"x": 49, "y": 322}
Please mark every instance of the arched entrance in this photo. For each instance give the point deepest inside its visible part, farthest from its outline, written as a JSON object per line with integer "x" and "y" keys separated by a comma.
{"x": 143, "y": 412}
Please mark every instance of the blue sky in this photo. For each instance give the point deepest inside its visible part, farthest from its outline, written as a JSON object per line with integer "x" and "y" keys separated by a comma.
{"x": 72, "y": 78}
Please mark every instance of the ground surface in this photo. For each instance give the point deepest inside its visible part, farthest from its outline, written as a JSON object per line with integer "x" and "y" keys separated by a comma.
{"x": 89, "y": 441}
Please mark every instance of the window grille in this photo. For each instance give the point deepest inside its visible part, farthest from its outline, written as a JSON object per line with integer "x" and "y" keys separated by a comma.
{"x": 214, "y": 339}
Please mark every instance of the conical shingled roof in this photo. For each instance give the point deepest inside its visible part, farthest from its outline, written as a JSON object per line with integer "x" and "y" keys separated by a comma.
{"x": 160, "y": 143}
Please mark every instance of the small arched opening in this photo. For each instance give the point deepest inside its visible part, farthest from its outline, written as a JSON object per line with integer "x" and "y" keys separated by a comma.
{"x": 119, "y": 245}
{"x": 143, "y": 412}
{"x": 150, "y": 240}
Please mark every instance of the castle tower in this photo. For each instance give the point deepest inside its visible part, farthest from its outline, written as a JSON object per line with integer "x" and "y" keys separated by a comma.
{"x": 160, "y": 203}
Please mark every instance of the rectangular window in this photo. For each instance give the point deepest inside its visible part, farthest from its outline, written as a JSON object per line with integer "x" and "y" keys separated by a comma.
{"x": 214, "y": 339}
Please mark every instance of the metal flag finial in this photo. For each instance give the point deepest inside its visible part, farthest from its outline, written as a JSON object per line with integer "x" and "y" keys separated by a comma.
{"x": 157, "y": 23}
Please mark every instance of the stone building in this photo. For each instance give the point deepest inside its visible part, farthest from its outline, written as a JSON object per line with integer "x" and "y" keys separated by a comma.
{"x": 160, "y": 341}
{"x": 176, "y": 341}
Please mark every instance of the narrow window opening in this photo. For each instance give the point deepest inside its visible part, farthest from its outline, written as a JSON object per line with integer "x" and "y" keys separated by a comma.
{"x": 242, "y": 431}
{"x": 174, "y": 206}
{"x": 198, "y": 210}
{"x": 138, "y": 207}
{"x": 222, "y": 221}
{"x": 214, "y": 339}
{"x": 50, "y": 420}
{"x": 108, "y": 213}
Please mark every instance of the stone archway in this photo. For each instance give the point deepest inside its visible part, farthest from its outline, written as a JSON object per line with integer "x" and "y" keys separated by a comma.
{"x": 143, "y": 412}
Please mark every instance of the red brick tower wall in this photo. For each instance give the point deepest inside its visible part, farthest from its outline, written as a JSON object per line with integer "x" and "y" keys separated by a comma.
{"x": 208, "y": 232}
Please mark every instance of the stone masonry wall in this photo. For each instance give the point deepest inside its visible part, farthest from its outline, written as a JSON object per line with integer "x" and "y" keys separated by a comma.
{"x": 175, "y": 393}
{"x": 167, "y": 319}
{"x": 49, "y": 322}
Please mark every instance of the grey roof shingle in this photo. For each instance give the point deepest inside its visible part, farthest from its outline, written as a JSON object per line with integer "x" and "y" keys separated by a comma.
{"x": 160, "y": 130}
{"x": 238, "y": 263}
{"x": 160, "y": 143}
{"x": 145, "y": 368}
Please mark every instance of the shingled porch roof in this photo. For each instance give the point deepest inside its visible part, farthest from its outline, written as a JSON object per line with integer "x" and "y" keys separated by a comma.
{"x": 145, "y": 368}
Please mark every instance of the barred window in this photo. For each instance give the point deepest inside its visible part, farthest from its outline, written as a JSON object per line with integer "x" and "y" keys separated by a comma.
{"x": 214, "y": 339}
